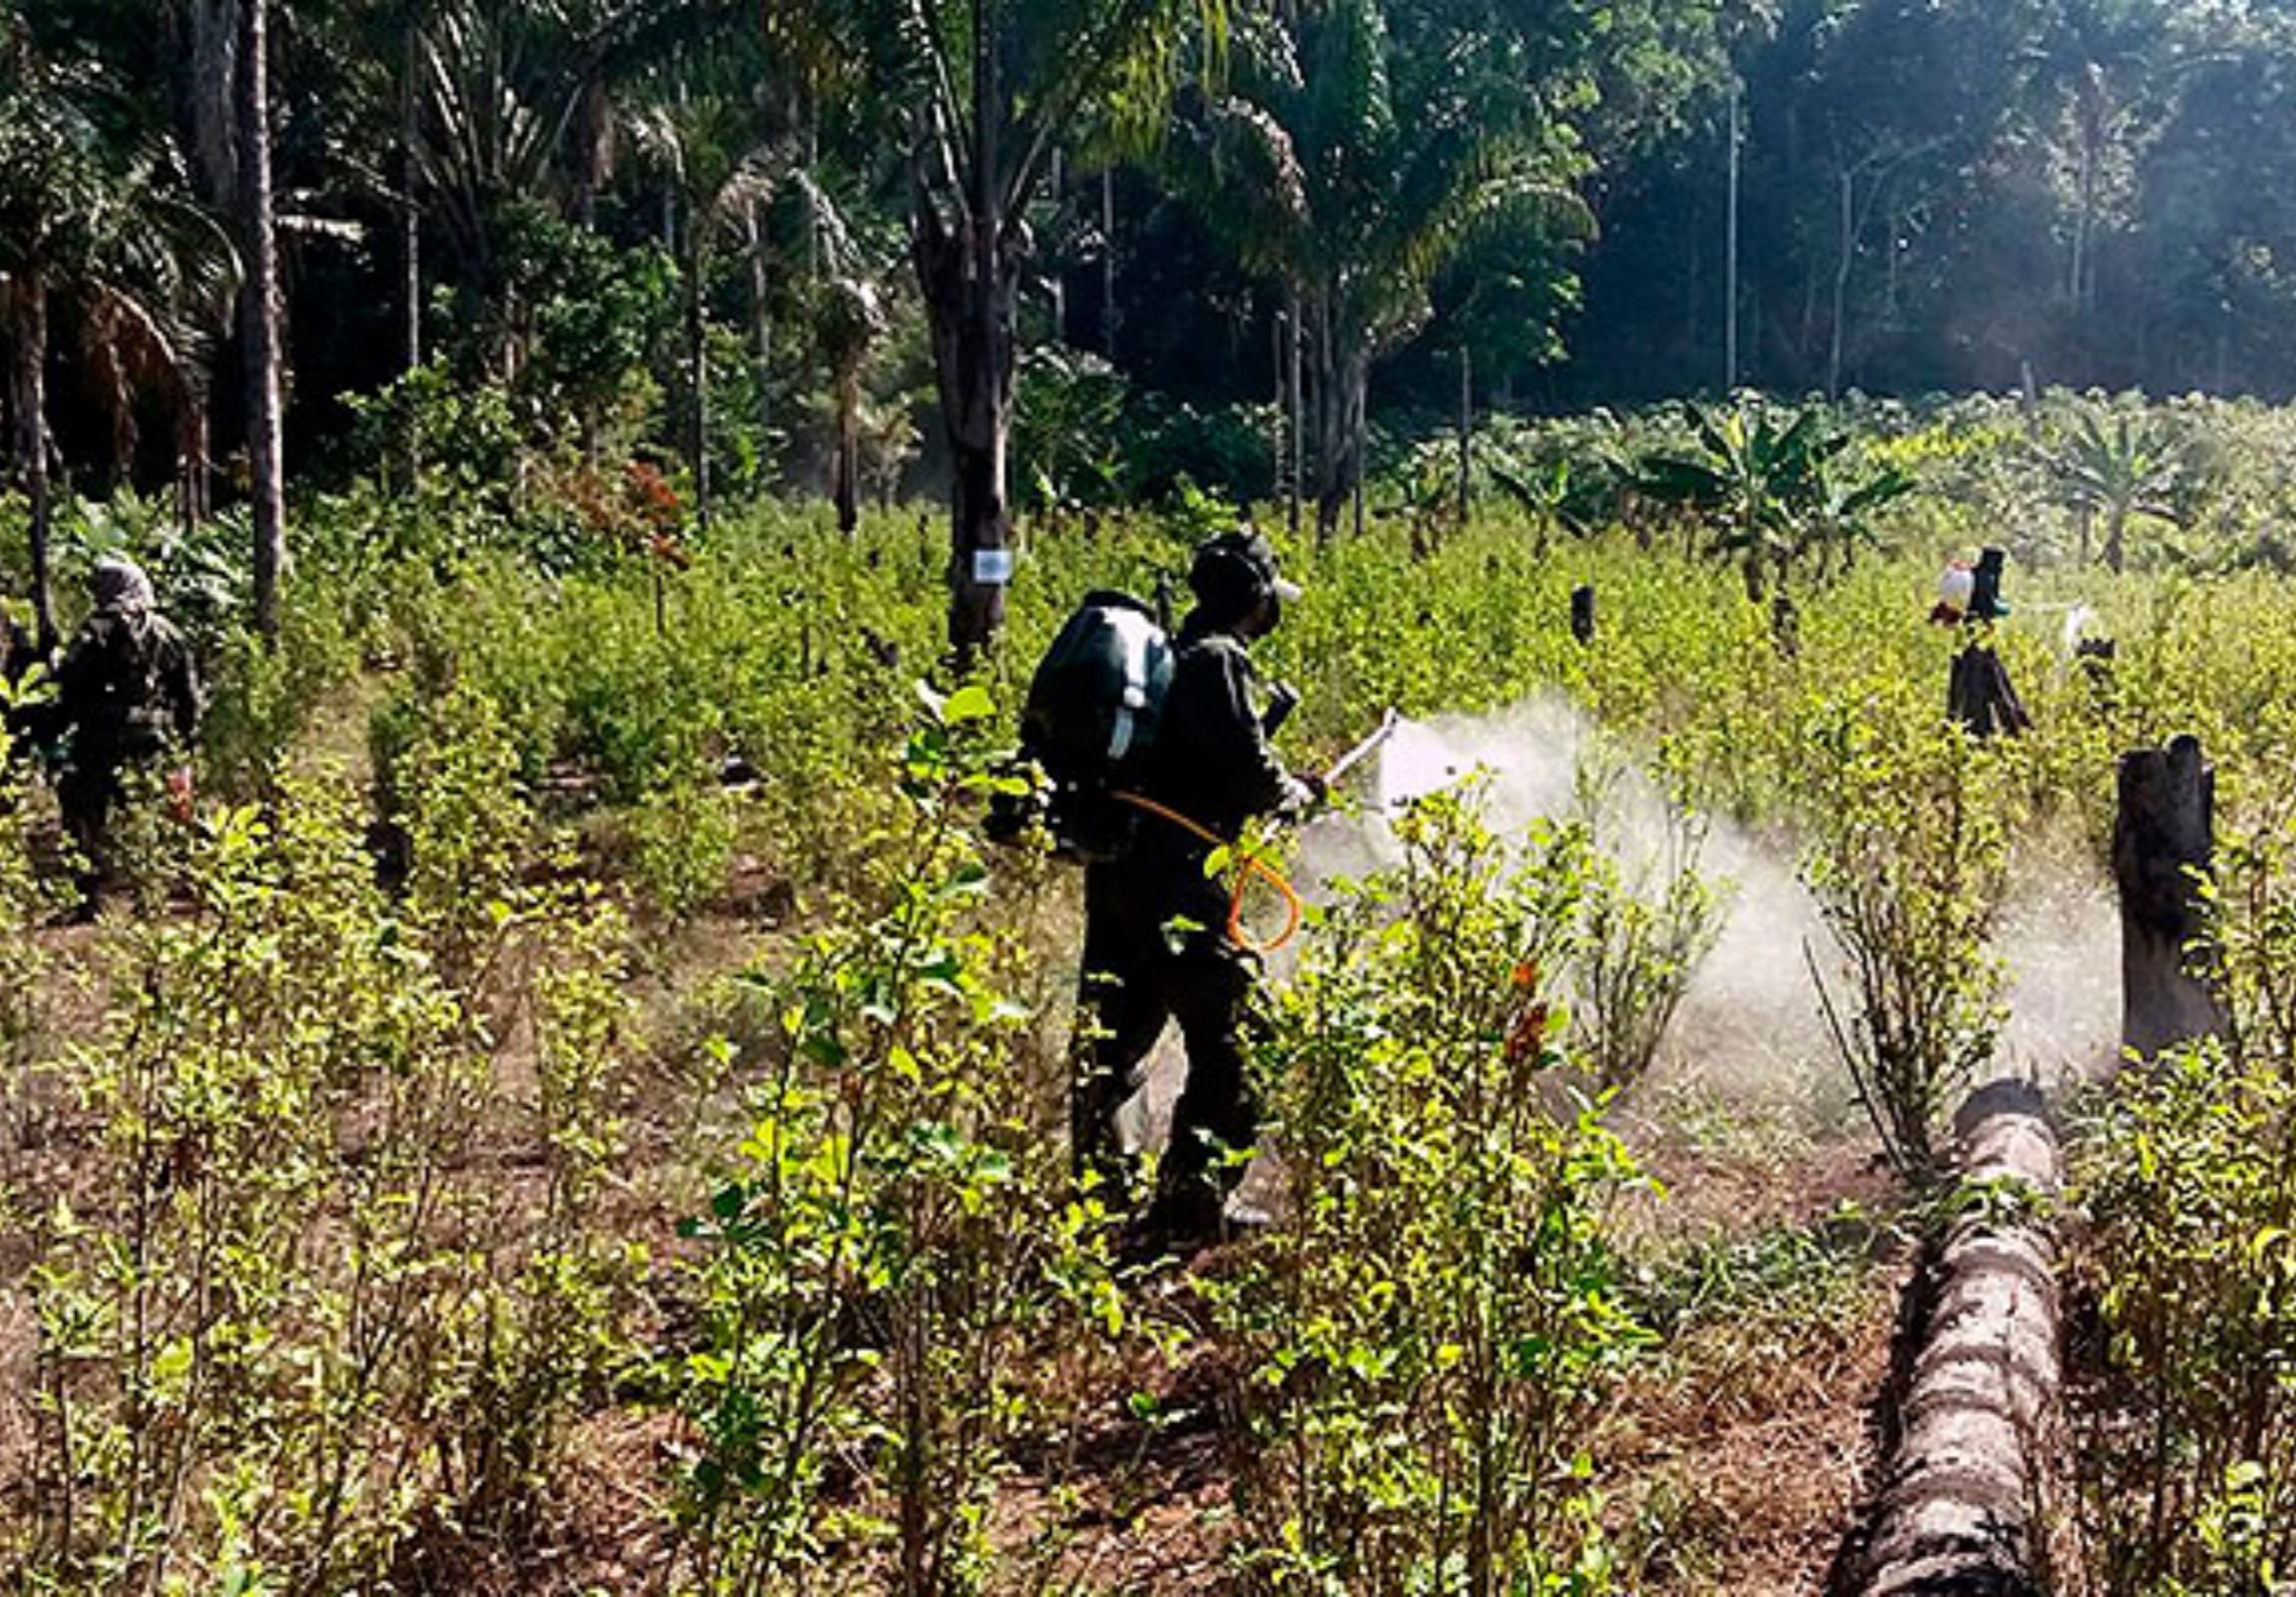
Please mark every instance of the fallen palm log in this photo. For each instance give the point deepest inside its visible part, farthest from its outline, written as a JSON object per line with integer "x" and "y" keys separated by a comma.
{"x": 1960, "y": 1509}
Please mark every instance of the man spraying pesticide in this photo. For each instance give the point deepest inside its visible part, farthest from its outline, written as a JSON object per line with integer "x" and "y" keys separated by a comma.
{"x": 1158, "y": 755}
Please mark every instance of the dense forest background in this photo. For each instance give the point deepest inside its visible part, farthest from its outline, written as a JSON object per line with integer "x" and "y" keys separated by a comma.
{"x": 686, "y": 228}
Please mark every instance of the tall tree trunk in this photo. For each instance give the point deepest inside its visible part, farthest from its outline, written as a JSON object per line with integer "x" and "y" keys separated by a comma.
{"x": 762, "y": 332}
{"x": 212, "y": 75}
{"x": 1295, "y": 384}
{"x": 28, "y": 399}
{"x": 1279, "y": 434}
{"x": 1359, "y": 423}
{"x": 970, "y": 270}
{"x": 1730, "y": 244}
{"x": 1056, "y": 281}
{"x": 260, "y": 320}
{"x": 698, "y": 377}
{"x": 1849, "y": 256}
{"x": 209, "y": 43}
{"x": 808, "y": 203}
{"x": 846, "y": 490}
{"x": 1338, "y": 456}
{"x": 970, "y": 283}
{"x": 192, "y": 448}
{"x": 1108, "y": 262}
{"x": 592, "y": 130}
{"x": 2117, "y": 540}
{"x": 411, "y": 247}
{"x": 2084, "y": 200}
{"x": 1465, "y": 433}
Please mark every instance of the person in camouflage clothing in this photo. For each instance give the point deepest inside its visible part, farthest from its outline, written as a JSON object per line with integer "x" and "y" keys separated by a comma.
{"x": 127, "y": 700}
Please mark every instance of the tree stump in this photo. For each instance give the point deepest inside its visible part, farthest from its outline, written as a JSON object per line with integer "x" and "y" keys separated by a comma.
{"x": 1981, "y": 698}
{"x": 1583, "y": 612}
{"x": 1785, "y": 627}
{"x": 1963, "y": 1501}
{"x": 2096, "y": 658}
{"x": 2165, "y": 833}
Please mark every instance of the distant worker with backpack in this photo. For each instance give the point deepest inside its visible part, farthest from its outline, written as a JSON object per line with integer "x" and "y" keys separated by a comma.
{"x": 126, "y": 697}
{"x": 1183, "y": 752}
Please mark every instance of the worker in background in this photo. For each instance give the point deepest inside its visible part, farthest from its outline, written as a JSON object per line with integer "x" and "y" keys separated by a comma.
{"x": 127, "y": 701}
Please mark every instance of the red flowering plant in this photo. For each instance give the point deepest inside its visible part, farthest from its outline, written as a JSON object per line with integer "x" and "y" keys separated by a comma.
{"x": 639, "y": 511}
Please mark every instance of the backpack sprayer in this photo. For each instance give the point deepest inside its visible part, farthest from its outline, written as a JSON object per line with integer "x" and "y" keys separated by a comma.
{"x": 1092, "y": 713}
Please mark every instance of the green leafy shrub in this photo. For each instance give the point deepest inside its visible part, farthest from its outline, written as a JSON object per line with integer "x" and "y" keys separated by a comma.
{"x": 1909, "y": 867}
{"x": 292, "y": 1327}
{"x": 1420, "y": 1347}
{"x": 1644, "y": 927}
{"x": 27, "y": 898}
{"x": 468, "y": 829}
{"x": 897, "y": 1231}
{"x": 2188, "y": 1177}
{"x": 681, "y": 845}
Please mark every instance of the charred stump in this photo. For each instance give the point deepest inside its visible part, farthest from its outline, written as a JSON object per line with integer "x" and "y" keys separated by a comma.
{"x": 2096, "y": 658}
{"x": 1583, "y": 612}
{"x": 2163, "y": 840}
{"x": 1981, "y": 696}
{"x": 1785, "y": 627}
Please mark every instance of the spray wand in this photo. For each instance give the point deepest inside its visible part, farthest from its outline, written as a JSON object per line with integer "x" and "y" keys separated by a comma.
{"x": 1362, "y": 750}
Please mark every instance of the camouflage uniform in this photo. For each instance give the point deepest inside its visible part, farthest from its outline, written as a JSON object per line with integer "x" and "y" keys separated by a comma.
{"x": 1156, "y": 945}
{"x": 127, "y": 696}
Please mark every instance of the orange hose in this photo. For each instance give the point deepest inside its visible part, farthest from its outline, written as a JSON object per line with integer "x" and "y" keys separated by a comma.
{"x": 1249, "y": 867}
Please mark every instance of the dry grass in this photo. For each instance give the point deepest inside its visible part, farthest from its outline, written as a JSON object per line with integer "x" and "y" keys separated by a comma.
{"x": 1738, "y": 1460}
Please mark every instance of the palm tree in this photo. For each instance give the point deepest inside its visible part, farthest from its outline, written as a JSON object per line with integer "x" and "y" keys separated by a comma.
{"x": 850, "y": 323}
{"x": 720, "y": 167}
{"x": 108, "y": 227}
{"x": 525, "y": 100}
{"x": 1354, "y": 152}
{"x": 2100, "y": 72}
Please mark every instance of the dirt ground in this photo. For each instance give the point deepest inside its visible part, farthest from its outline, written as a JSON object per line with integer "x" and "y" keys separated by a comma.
{"x": 1743, "y": 1453}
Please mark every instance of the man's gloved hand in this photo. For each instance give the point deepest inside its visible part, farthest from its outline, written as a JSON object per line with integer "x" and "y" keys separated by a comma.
{"x": 1305, "y": 794}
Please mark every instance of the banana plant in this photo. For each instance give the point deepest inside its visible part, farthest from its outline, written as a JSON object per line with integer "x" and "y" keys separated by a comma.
{"x": 2121, "y": 470}
{"x": 1838, "y": 515}
{"x": 1772, "y": 492}
{"x": 1581, "y": 494}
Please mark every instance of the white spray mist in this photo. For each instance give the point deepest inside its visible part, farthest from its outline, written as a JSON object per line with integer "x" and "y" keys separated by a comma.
{"x": 1749, "y": 1031}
